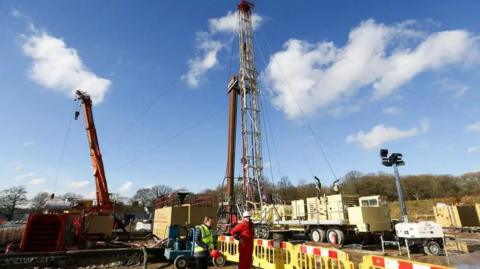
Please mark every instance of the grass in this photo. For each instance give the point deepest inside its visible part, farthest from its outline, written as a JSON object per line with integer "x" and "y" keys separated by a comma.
{"x": 423, "y": 209}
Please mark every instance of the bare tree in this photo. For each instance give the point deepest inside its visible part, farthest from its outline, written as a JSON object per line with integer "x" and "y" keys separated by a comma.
{"x": 285, "y": 188}
{"x": 11, "y": 198}
{"x": 144, "y": 196}
{"x": 147, "y": 196}
{"x": 39, "y": 201}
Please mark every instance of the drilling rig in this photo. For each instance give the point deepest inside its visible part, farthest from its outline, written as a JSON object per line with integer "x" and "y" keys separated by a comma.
{"x": 245, "y": 86}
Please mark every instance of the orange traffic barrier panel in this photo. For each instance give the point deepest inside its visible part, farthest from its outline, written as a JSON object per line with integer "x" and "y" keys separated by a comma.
{"x": 313, "y": 257}
{"x": 268, "y": 254}
{"x": 228, "y": 246}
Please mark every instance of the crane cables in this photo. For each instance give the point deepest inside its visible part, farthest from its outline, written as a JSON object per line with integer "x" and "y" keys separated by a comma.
{"x": 307, "y": 124}
{"x": 139, "y": 116}
{"x": 200, "y": 121}
{"x": 300, "y": 148}
{"x": 265, "y": 132}
{"x": 75, "y": 107}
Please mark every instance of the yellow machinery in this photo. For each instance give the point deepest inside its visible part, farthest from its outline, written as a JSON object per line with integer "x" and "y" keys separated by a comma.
{"x": 329, "y": 218}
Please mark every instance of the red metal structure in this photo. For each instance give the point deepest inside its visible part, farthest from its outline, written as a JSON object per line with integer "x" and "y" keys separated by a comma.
{"x": 104, "y": 204}
{"x": 46, "y": 232}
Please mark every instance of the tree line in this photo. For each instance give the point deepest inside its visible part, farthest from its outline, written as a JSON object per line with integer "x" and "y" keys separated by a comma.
{"x": 415, "y": 187}
{"x": 14, "y": 200}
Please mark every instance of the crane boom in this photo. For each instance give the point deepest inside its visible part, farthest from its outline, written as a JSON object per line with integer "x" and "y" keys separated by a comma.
{"x": 103, "y": 198}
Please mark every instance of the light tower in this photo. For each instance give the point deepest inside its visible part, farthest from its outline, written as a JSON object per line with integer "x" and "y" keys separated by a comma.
{"x": 252, "y": 160}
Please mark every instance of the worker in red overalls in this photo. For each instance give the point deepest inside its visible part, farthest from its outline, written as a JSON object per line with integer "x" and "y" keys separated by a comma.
{"x": 243, "y": 231}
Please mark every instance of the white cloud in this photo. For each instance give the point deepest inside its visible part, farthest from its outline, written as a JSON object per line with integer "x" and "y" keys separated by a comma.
{"x": 59, "y": 68}
{"x": 229, "y": 23}
{"x": 208, "y": 59}
{"x": 473, "y": 149}
{"x": 474, "y": 127}
{"x": 75, "y": 185}
{"x": 125, "y": 187}
{"x": 457, "y": 89}
{"x": 37, "y": 181}
{"x": 28, "y": 143}
{"x": 393, "y": 110}
{"x": 208, "y": 46}
{"x": 306, "y": 77}
{"x": 24, "y": 176}
{"x": 380, "y": 134}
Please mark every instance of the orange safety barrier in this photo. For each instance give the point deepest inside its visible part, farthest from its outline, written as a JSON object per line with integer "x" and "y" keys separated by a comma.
{"x": 268, "y": 254}
{"x": 228, "y": 246}
{"x": 380, "y": 262}
{"x": 271, "y": 254}
{"x": 289, "y": 255}
{"x": 313, "y": 257}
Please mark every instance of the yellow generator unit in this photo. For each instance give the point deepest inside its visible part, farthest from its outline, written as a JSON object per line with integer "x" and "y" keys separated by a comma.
{"x": 370, "y": 219}
{"x": 338, "y": 204}
{"x": 317, "y": 208}
{"x": 298, "y": 210}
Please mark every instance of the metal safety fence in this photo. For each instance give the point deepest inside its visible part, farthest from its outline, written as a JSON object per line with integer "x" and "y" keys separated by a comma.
{"x": 270, "y": 254}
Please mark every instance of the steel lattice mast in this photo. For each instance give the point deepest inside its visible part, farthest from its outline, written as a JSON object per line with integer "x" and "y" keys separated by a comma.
{"x": 252, "y": 160}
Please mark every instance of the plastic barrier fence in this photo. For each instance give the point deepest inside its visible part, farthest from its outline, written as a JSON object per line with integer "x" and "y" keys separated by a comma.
{"x": 289, "y": 255}
{"x": 321, "y": 258}
{"x": 380, "y": 262}
{"x": 271, "y": 254}
{"x": 228, "y": 246}
{"x": 268, "y": 254}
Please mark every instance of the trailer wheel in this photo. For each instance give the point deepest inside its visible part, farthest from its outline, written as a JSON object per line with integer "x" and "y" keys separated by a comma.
{"x": 432, "y": 248}
{"x": 335, "y": 237}
{"x": 266, "y": 233}
{"x": 180, "y": 262}
{"x": 317, "y": 235}
{"x": 219, "y": 261}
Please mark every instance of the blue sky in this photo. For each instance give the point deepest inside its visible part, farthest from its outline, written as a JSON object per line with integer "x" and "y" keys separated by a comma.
{"x": 361, "y": 75}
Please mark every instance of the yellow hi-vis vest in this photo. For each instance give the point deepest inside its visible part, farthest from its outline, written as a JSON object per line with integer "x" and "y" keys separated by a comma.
{"x": 207, "y": 238}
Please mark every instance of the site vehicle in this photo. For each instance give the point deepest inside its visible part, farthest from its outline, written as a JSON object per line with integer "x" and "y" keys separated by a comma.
{"x": 336, "y": 219}
{"x": 180, "y": 247}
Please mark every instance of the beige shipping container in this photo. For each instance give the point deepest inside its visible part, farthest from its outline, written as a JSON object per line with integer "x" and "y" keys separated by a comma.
{"x": 317, "y": 208}
{"x": 11, "y": 234}
{"x": 370, "y": 219}
{"x": 298, "y": 209}
{"x": 456, "y": 216}
{"x": 99, "y": 224}
{"x": 179, "y": 215}
{"x": 338, "y": 204}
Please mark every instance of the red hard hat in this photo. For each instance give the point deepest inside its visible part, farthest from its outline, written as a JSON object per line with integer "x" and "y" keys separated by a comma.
{"x": 215, "y": 253}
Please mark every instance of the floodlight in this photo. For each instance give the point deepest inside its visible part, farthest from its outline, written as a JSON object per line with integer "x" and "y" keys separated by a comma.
{"x": 383, "y": 153}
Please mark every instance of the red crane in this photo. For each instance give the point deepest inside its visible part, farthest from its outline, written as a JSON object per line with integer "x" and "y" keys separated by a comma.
{"x": 46, "y": 231}
{"x": 104, "y": 204}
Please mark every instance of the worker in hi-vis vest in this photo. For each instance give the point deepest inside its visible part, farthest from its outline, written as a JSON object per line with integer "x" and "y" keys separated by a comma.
{"x": 203, "y": 243}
